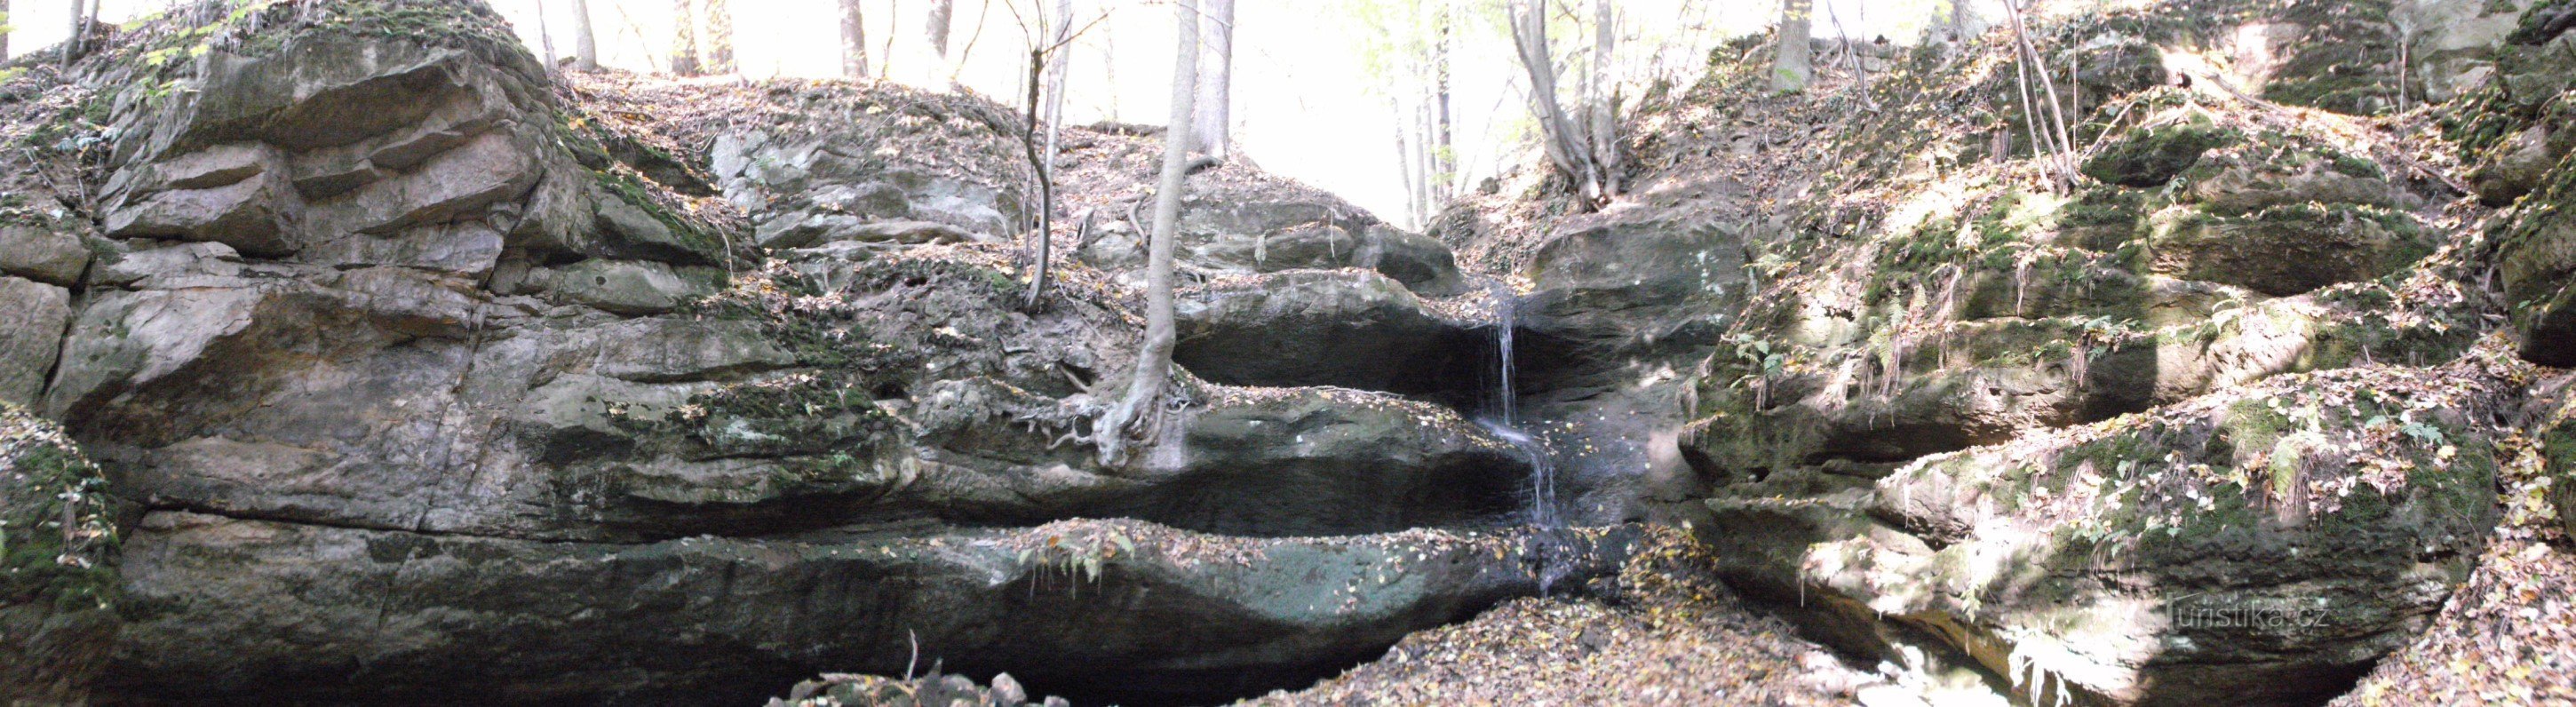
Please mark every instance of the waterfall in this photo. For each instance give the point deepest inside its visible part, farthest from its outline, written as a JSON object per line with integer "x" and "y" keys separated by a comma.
{"x": 1504, "y": 422}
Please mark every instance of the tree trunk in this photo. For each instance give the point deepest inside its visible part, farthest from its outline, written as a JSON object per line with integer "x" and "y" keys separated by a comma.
{"x": 1790, "y": 70}
{"x": 4, "y": 34}
{"x": 854, "y": 41}
{"x": 1565, "y": 145}
{"x": 585, "y": 45}
{"x": 1605, "y": 97}
{"x": 1407, "y": 163}
{"x": 684, "y": 38}
{"x": 1444, "y": 156}
{"x": 545, "y": 36}
{"x": 885, "y": 59}
{"x": 1056, "y": 56}
{"x": 943, "y": 14}
{"x": 1154, "y": 360}
{"x": 719, "y": 37}
{"x": 72, "y": 46}
{"x": 1214, "y": 133}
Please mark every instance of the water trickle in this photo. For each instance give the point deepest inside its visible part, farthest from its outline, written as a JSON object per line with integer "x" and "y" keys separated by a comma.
{"x": 1504, "y": 422}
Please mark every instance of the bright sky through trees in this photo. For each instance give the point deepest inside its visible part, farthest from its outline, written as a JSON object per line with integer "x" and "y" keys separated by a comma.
{"x": 1303, "y": 68}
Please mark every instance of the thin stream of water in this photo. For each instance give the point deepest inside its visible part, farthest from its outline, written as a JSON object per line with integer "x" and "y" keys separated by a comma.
{"x": 1504, "y": 422}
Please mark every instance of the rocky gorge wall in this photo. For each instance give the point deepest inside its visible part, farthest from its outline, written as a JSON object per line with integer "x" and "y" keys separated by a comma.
{"x": 2254, "y": 350}
{"x": 426, "y": 374}
{"x": 379, "y": 363}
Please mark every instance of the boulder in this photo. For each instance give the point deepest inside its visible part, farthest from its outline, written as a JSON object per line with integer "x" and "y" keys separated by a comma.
{"x": 33, "y": 317}
{"x": 1625, "y": 284}
{"x": 805, "y": 189}
{"x": 1308, "y": 461}
{"x": 1220, "y": 239}
{"x": 634, "y": 287}
{"x": 2150, "y": 157}
{"x": 2454, "y": 49}
{"x": 254, "y": 610}
{"x": 255, "y": 213}
{"x": 1347, "y": 328}
{"x": 2315, "y": 525}
{"x": 43, "y": 253}
{"x": 2285, "y": 250}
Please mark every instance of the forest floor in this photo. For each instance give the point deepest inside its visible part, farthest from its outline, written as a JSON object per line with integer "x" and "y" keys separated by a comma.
{"x": 1667, "y": 633}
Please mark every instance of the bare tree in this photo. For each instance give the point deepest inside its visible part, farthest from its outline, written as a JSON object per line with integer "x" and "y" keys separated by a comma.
{"x": 1444, "y": 150}
{"x": 2055, "y": 137}
{"x": 1046, "y": 86}
{"x": 1604, "y": 115}
{"x": 719, "y": 37}
{"x": 1569, "y": 148}
{"x": 943, "y": 14}
{"x": 545, "y": 36}
{"x": 1154, "y": 360}
{"x": 854, "y": 41}
{"x": 585, "y": 46}
{"x": 1790, "y": 67}
{"x": 1214, "y": 133}
{"x": 80, "y": 25}
{"x": 684, "y": 38}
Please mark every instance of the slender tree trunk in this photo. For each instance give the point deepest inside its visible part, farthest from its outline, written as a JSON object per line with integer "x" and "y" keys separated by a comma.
{"x": 943, "y": 13}
{"x": 1565, "y": 145}
{"x": 1109, "y": 67}
{"x": 1407, "y": 164}
{"x": 1444, "y": 142}
{"x": 719, "y": 37}
{"x": 1154, "y": 360}
{"x": 1056, "y": 56}
{"x": 885, "y": 59}
{"x": 684, "y": 38}
{"x": 983, "y": 11}
{"x": 4, "y": 35}
{"x": 72, "y": 47}
{"x": 585, "y": 46}
{"x": 545, "y": 36}
{"x": 1215, "y": 130}
{"x": 854, "y": 41}
{"x": 1605, "y": 97}
{"x": 1790, "y": 67}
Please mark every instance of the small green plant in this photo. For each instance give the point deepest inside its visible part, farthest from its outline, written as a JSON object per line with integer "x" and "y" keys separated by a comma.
{"x": 1077, "y": 559}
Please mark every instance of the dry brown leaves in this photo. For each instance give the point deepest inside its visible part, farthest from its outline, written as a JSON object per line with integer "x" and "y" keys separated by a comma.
{"x": 1674, "y": 637}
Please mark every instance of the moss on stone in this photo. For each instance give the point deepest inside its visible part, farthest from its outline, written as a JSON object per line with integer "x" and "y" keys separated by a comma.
{"x": 58, "y": 526}
{"x": 2147, "y": 157}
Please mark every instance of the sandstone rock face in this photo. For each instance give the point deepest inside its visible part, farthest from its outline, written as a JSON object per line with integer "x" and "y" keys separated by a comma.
{"x": 2523, "y": 138}
{"x": 1236, "y": 221}
{"x": 2457, "y": 41}
{"x": 381, "y": 333}
{"x": 700, "y": 619}
{"x": 2262, "y": 569}
{"x": 2114, "y": 300}
{"x": 43, "y": 254}
{"x": 32, "y": 317}
{"x": 1620, "y": 305}
{"x": 1347, "y": 328}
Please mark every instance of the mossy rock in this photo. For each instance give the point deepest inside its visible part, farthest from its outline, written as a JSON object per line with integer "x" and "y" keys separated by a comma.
{"x": 2285, "y": 250}
{"x": 58, "y": 582}
{"x": 2148, "y": 157}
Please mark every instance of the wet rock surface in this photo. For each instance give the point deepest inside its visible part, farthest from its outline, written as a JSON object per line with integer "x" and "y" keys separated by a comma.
{"x": 237, "y": 609}
{"x": 414, "y": 358}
